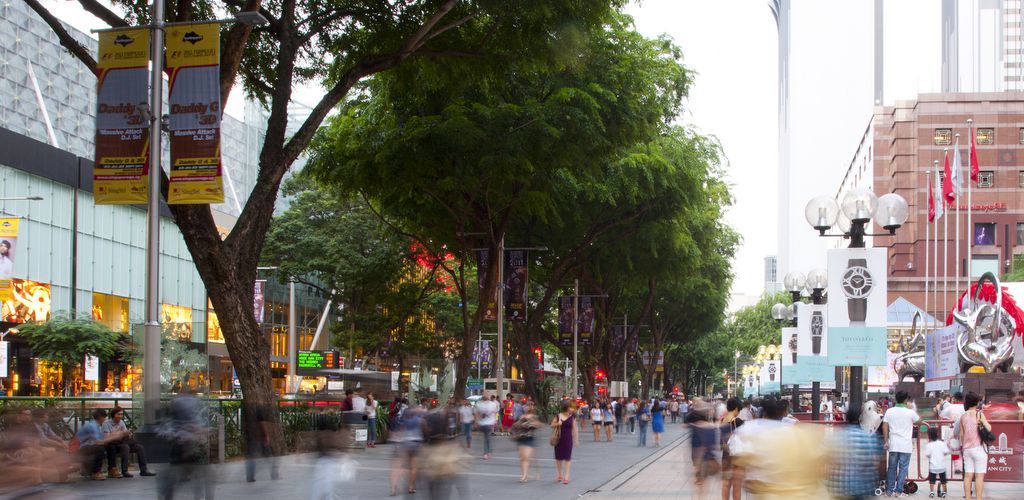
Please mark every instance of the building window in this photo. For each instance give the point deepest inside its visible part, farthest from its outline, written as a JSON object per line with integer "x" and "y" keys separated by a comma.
{"x": 985, "y": 135}
{"x": 943, "y": 136}
{"x": 986, "y": 179}
{"x": 1020, "y": 233}
{"x": 1020, "y": 178}
{"x": 1022, "y": 136}
{"x": 984, "y": 233}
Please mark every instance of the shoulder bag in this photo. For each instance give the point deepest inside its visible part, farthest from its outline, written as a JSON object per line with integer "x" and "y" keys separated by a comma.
{"x": 556, "y": 433}
{"x": 984, "y": 434}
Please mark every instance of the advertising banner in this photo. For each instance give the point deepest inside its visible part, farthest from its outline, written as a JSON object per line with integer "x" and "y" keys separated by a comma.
{"x": 29, "y": 301}
{"x": 565, "y": 320}
{"x": 1005, "y": 462}
{"x": 488, "y": 300}
{"x": 857, "y": 306}
{"x": 811, "y": 349}
{"x": 3, "y": 358}
{"x": 882, "y": 377}
{"x": 91, "y": 369}
{"x": 516, "y": 273}
{"x": 770, "y": 377}
{"x": 259, "y": 299}
{"x": 194, "y": 108}
{"x": 587, "y": 315}
{"x": 749, "y": 386}
{"x": 634, "y": 346}
{"x": 618, "y": 338}
{"x": 789, "y": 348}
{"x": 481, "y": 359}
{"x": 8, "y": 250}
{"x": 941, "y": 359}
{"x": 122, "y": 129}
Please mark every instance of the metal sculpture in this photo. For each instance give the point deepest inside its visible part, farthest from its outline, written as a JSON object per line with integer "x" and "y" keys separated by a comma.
{"x": 910, "y": 360}
{"x": 987, "y": 333}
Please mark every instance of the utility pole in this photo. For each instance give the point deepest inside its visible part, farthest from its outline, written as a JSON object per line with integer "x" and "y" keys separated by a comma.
{"x": 499, "y": 371}
{"x": 575, "y": 335}
{"x": 625, "y": 353}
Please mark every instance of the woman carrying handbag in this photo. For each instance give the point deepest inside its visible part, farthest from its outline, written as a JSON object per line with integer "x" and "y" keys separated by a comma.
{"x": 975, "y": 434}
{"x": 564, "y": 435}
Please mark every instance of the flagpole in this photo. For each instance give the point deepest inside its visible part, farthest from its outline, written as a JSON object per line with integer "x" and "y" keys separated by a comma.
{"x": 927, "y": 237}
{"x": 935, "y": 253}
{"x": 956, "y": 191}
{"x": 970, "y": 203}
{"x": 945, "y": 251}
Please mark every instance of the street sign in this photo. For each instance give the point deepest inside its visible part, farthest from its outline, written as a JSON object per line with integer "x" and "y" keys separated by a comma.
{"x": 475, "y": 384}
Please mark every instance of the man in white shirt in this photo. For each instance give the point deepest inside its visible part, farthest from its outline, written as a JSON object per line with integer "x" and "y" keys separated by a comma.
{"x": 898, "y": 428}
{"x": 359, "y": 402}
{"x": 952, "y": 411}
{"x": 486, "y": 411}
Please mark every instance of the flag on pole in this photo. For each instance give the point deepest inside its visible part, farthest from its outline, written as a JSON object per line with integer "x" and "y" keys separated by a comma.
{"x": 931, "y": 203}
{"x": 936, "y": 199}
{"x": 957, "y": 166}
{"x": 947, "y": 182}
{"x": 974, "y": 157}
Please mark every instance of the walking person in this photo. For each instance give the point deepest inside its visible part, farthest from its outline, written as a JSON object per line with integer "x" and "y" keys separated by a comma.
{"x": 732, "y": 474}
{"x": 596, "y": 420}
{"x": 673, "y": 409}
{"x": 631, "y": 415}
{"x": 657, "y": 421}
{"x": 466, "y": 421}
{"x": 609, "y": 420}
{"x": 936, "y": 451}
{"x": 619, "y": 410}
{"x": 854, "y": 455}
{"x": 371, "y": 420}
{"x": 897, "y": 428}
{"x": 564, "y": 423}
{"x": 486, "y": 411}
{"x": 975, "y": 456}
{"x": 523, "y": 433}
{"x": 643, "y": 416}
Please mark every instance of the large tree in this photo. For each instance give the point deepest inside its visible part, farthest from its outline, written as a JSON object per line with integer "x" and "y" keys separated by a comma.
{"x": 338, "y": 43}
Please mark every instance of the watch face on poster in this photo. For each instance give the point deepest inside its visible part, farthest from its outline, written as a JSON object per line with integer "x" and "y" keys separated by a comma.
{"x": 857, "y": 282}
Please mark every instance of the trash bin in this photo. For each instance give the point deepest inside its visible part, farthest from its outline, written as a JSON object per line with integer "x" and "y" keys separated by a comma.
{"x": 355, "y": 422}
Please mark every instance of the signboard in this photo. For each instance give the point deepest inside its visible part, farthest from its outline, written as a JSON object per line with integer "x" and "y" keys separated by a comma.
{"x": 474, "y": 384}
{"x": 259, "y": 299}
{"x": 516, "y": 275}
{"x": 1005, "y": 461}
{"x": 881, "y": 378}
{"x": 856, "y": 312}
{"x": 312, "y": 362}
{"x": 8, "y": 249}
{"x": 193, "y": 65}
{"x": 566, "y": 316}
{"x": 490, "y": 305}
{"x": 29, "y": 301}
{"x": 587, "y": 316}
{"x": 749, "y": 386}
{"x": 3, "y": 358}
{"x": 121, "y": 168}
{"x": 481, "y": 359}
{"x": 811, "y": 349}
{"x": 91, "y": 369}
{"x": 941, "y": 359}
{"x": 770, "y": 377}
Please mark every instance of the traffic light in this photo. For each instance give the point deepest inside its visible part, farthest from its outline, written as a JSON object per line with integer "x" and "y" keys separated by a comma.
{"x": 599, "y": 375}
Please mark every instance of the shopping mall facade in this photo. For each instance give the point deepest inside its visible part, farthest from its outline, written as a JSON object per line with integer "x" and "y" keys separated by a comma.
{"x": 74, "y": 257}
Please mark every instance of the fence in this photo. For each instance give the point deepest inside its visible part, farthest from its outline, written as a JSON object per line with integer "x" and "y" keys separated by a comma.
{"x": 224, "y": 417}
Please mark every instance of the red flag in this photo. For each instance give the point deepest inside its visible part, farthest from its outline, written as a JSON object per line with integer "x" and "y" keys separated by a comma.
{"x": 931, "y": 202}
{"x": 974, "y": 157}
{"x": 947, "y": 183}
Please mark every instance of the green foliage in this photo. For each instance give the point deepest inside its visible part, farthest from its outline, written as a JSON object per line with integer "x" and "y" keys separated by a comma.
{"x": 178, "y": 361}
{"x": 68, "y": 340}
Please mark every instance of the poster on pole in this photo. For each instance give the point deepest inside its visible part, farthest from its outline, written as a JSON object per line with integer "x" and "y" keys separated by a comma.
{"x": 193, "y": 65}
{"x": 488, "y": 299}
{"x": 587, "y": 317}
{"x": 3, "y": 358}
{"x": 618, "y": 338}
{"x": 770, "y": 377}
{"x": 516, "y": 274}
{"x": 121, "y": 167}
{"x": 259, "y": 299}
{"x": 91, "y": 372}
{"x": 481, "y": 359}
{"x": 566, "y": 316}
{"x": 941, "y": 359}
{"x": 749, "y": 386}
{"x": 634, "y": 346}
{"x": 857, "y": 306}
{"x": 8, "y": 251}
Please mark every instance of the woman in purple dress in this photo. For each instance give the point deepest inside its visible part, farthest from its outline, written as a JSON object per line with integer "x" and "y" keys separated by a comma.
{"x": 569, "y": 437}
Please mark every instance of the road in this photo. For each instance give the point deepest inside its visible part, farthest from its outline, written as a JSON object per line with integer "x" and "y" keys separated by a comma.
{"x": 594, "y": 464}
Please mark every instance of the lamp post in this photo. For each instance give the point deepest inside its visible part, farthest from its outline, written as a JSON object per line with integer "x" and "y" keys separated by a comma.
{"x": 735, "y": 362}
{"x": 852, "y": 216}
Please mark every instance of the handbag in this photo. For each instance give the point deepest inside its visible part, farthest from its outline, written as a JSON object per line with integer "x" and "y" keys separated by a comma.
{"x": 556, "y": 434}
{"x": 986, "y": 436}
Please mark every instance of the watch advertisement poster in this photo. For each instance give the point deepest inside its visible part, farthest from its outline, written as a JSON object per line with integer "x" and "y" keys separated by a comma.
{"x": 812, "y": 348}
{"x": 941, "y": 359}
{"x": 749, "y": 386}
{"x": 856, "y": 313}
{"x": 770, "y": 377}
{"x": 789, "y": 349}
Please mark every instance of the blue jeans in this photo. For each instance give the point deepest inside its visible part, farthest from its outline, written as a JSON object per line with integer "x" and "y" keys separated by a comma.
{"x": 641, "y": 439}
{"x": 894, "y": 479}
{"x": 467, "y": 429}
{"x": 486, "y": 429}
{"x": 371, "y": 430}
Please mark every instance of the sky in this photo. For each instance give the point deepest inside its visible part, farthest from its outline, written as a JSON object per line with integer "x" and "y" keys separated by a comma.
{"x": 732, "y": 46}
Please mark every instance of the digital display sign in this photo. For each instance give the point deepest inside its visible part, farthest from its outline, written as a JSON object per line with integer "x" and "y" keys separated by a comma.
{"x": 312, "y": 362}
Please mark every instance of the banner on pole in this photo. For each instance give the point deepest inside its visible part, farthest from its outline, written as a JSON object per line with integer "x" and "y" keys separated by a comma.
{"x": 634, "y": 346}
{"x": 941, "y": 359}
{"x": 857, "y": 306}
{"x": 770, "y": 377}
{"x": 8, "y": 250}
{"x": 516, "y": 274}
{"x": 586, "y": 320}
{"x": 91, "y": 370}
{"x": 565, "y": 320}
{"x": 193, "y": 62}
{"x": 488, "y": 299}
{"x": 618, "y": 338}
{"x": 3, "y": 358}
{"x": 481, "y": 356}
{"x": 122, "y": 129}
{"x": 259, "y": 299}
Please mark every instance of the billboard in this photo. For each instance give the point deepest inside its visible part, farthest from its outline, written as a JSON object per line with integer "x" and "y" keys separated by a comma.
{"x": 856, "y": 311}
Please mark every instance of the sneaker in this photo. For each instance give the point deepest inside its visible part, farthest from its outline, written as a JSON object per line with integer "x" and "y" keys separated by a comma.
{"x": 147, "y": 473}
{"x": 932, "y": 494}
{"x": 114, "y": 473}
{"x": 98, "y": 477}
{"x": 126, "y": 474}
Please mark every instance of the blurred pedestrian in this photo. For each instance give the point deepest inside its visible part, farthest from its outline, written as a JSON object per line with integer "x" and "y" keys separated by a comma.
{"x": 657, "y": 421}
{"x": 853, "y": 458}
{"x": 609, "y": 420}
{"x": 897, "y": 430}
{"x": 568, "y": 437}
{"x": 732, "y": 474}
{"x": 643, "y": 416}
{"x": 371, "y": 420}
{"x": 974, "y": 453}
{"x": 184, "y": 428}
{"x": 631, "y": 415}
{"x": 409, "y": 439}
{"x": 673, "y": 409}
{"x": 619, "y": 412}
{"x": 486, "y": 411}
{"x": 261, "y": 427}
{"x": 466, "y": 421}
{"x": 443, "y": 461}
{"x": 524, "y": 434}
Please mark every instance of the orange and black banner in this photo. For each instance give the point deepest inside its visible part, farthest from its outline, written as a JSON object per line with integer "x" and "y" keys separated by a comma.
{"x": 488, "y": 301}
{"x": 122, "y": 132}
{"x": 193, "y": 63}
{"x": 516, "y": 273}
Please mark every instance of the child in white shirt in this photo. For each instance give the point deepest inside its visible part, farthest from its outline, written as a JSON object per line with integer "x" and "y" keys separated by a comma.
{"x": 936, "y": 451}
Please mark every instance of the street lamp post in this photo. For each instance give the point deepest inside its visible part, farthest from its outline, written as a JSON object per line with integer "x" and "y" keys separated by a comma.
{"x": 735, "y": 362}
{"x": 859, "y": 206}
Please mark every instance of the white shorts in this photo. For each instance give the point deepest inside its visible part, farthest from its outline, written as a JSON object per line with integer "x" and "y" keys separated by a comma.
{"x": 975, "y": 460}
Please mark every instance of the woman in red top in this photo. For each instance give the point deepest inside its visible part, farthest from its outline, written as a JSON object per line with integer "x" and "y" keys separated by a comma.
{"x": 508, "y": 409}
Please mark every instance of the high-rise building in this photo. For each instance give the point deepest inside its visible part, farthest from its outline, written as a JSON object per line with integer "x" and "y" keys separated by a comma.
{"x": 982, "y": 46}
{"x": 772, "y": 283}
